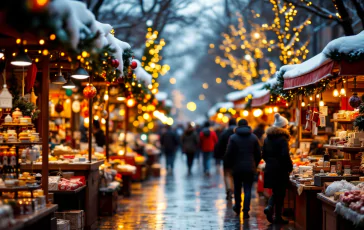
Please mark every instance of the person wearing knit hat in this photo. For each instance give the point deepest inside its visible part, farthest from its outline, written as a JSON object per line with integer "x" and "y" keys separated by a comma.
{"x": 279, "y": 121}
{"x": 278, "y": 167}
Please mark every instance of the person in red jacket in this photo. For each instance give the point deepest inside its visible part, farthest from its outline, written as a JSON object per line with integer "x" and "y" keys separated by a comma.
{"x": 208, "y": 140}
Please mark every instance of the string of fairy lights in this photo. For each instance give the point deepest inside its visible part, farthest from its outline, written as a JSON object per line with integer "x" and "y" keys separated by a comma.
{"x": 246, "y": 51}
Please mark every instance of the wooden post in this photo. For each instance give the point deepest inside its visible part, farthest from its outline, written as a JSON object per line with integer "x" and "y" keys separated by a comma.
{"x": 44, "y": 118}
{"x": 107, "y": 138}
{"x": 90, "y": 126}
{"x": 126, "y": 118}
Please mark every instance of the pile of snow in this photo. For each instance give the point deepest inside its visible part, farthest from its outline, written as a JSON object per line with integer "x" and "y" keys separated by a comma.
{"x": 161, "y": 96}
{"x": 141, "y": 74}
{"x": 238, "y": 95}
{"x": 80, "y": 23}
{"x": 212, "y": 111}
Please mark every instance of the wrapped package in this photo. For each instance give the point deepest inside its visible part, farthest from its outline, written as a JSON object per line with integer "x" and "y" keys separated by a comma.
{"x": 53, "y": 182}
{"x": 78, "y": 179}
{"x": 339, "y": 186}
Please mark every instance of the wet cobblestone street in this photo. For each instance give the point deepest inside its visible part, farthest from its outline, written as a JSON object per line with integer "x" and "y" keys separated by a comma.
{"x": 178, "y": 201}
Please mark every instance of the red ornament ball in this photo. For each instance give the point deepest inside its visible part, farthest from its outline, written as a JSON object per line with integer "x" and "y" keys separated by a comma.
{"x": 85, "y": 112}
{"x": 116, "y": 63}
{"x": 354, "y": 101}
{"x": 120, "y": 80}
{"x": 134, "y": 65}
{"x": 59, "y": 108}
{"x": 89, "y": 91}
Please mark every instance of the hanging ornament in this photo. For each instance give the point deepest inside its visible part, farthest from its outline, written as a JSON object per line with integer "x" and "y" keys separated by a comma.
{"x": 85, "y": 112}
{"x": 89, "y": 91}
{"x": 59, "y": 107}
{"x": 120, "y": 80}
{"x": 69, "y": 92}
{"x": 115, "y": 63}
{"x": 354, "y": 101}
{"x": 104, "y": 114}
{"x": 134, "y": 65}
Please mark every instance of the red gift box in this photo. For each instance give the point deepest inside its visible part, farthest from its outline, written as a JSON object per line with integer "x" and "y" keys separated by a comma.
{"x": 78, "y": 178}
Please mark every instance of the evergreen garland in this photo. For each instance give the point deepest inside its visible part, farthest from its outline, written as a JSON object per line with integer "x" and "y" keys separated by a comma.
{"x": 127, "y": 56}
{"x": 352, "y": 56}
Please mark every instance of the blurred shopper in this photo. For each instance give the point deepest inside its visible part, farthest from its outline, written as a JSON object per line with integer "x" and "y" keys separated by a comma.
{"x": 243, "y": 155}
{"x": 99, "y": 134}
{"x": 190, "y": 145}
{"x": 208, "y": 140}
{"x": 218, "y": 160}
{"x": 220, "y": 150}
{"x": 278, "y": 166}
{"x": 259, "y": 131}
{"x": 169, "y": 142}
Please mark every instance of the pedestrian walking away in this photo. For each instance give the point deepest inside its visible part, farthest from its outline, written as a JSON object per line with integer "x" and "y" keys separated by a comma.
{"x": 208, "y": 140}
{"x": 220, "y": 150}
{"x": 169, "y": 142}
{"x": 243, "y": 155}
{"x": 190, "y": 143}
{"x": 278, "y": 166}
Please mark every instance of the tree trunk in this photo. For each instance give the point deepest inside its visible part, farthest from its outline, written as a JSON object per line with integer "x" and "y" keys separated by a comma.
{"x": 346, "y": 19}
{"x": 359, "y": 11}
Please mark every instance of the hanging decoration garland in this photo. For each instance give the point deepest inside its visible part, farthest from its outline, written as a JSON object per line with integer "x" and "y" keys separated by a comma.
{"x": 352, "y": 56}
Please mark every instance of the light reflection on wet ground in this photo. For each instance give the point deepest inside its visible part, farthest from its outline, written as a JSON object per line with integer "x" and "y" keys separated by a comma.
{"x": 183, "y": 202}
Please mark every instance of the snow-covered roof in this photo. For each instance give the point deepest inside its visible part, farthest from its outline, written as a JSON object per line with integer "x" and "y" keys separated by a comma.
{"x": 305, "y": 67}
{"x": 80, "y": 22}
{"x": 212, "y": 111}
{"x": 343, "y": 45}
{"x": 161, "y": 96}
{"x": 238, "y": 95}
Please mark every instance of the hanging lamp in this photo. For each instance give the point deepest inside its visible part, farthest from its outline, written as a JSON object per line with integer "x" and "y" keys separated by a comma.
{"x": 69, "y": 84}
{"x": 21, "y": 59}
{"x": 80, "y": 73}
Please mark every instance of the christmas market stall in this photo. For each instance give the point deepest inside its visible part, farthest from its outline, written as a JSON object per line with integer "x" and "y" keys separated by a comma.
{"x": 58, "y": 42}
{"x": 318, "y": 88}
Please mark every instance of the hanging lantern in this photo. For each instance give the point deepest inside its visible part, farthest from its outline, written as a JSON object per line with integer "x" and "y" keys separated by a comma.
{"x": 6, "y": 99}
{"x": 89, "y": 91}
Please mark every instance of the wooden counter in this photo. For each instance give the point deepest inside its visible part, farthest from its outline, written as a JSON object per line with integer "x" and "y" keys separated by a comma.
{"x": 331, "y": 220}
{"x": 91, "y": 173}
{"x": 40, "y": 219}
{"x": 307, "y": 209}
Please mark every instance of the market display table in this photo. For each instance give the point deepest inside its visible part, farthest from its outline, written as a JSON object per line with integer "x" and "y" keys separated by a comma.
{"x": 307, "y": 209}
{"x": 41, "y": 219}
{"x": 331, "y": 220}
{"x": 74, "y": 199}
{"x": 91, "y": 173}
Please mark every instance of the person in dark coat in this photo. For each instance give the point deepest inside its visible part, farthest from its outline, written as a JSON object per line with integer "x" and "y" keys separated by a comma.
{"x": 99, "y": 134}
{"x": 243, "y": 155}
{"x": 220, "y": 150}
{"x": 169, "y": 142}
{"x": 190, "y": 144}
{"x": 278, "y": 167}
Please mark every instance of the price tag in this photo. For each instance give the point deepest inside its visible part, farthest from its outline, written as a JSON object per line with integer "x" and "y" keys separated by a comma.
{"x": 333, "y": 169}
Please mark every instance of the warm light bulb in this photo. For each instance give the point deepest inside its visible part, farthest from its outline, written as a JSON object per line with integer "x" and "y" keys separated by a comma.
{"x": 342, "y": 92}
{"x": 106, "y": 97}
{"x": 257, "y": 113}
{"x": 310, "y": 98}
{"x": 130, "y": 102}
{"x": 336, "y": 93}
{"x": 303, "y": 104}
{"x": 245, "y": 113}
{"x": 321, "y": 103}
{"x": 317, "y": 95}
{"x": 275, "y": 109}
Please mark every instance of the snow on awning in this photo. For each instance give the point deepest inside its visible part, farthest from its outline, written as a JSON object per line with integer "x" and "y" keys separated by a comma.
{"x": 217, "y": 106}
{"x": 262, "y": 96}
{"x": 308, "y": 72}
{"x": 238, "y": 95}
{"x": 320, "y": 66}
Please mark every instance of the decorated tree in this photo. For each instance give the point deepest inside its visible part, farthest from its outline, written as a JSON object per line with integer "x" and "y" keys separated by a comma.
{"x": 244, "y": 50}
{"x": 286, "y": 30}
{"x": 152, "y": 58}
